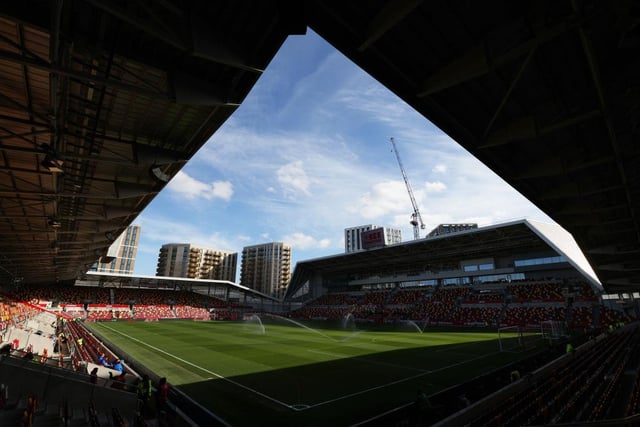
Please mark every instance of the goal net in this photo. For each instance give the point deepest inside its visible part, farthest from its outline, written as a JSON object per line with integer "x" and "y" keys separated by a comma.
{"x": 515, "y": 339}
{"x": 552, "y": 330}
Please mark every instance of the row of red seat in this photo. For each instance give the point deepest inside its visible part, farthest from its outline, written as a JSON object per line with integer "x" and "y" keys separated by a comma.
{"x": 579, "y": 390}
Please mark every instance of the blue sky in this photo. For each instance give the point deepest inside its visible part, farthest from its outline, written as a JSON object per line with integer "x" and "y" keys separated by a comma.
{"x": 307, "y": 154}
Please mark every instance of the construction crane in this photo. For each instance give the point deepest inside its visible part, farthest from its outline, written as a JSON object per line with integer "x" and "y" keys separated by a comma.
{"x": 416, "y": 218}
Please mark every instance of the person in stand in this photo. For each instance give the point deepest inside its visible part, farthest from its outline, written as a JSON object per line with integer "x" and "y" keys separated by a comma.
{"x": 162, "y": 396}
{"x": 569, "y": 348}
{"x": 463, "y": 401}
{"x": 29, "y": 354}
{"x": 26, "y": 420}
{"x": 422, "y": 408}
{"x": 119, "y": 381}
{"x": 94, "y": 376}
{"x": 117, "y": 365}
{"x": 5, "y": 350}
{"x": 4, "y": 395}
{"x": 102, "y": 359}
{"x": 29, "y": 412}
{"x": 143, "y": 390}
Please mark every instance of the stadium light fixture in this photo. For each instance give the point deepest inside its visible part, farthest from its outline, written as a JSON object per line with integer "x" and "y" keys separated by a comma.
{"x": 51, "y": 161}
{"x": 54, "y": 222}
{"x": 158, "y": 174}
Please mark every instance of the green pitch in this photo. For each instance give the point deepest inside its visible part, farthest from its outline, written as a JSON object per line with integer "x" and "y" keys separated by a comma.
{"x": 281, "y": 373}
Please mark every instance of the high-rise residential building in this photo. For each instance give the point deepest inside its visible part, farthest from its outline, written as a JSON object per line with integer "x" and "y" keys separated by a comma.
{"x": 353, "y": 237}
{"x": 266, "y": 268}
{"x": 451, "y": 228}
{"x": 194, "y": 262}
{"x": 122, "y": 253}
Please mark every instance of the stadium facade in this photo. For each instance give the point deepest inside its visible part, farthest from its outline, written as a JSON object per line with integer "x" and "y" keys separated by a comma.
{"x": 266, "y": 268}
{"x": 194, "y": 262}
{"x": 517, "y": 250}
{"x": 353, "y": 237}
{"x": 451, "y": 228}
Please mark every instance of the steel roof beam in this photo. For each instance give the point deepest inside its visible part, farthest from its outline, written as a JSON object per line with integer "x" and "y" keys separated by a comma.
{"x": 390, "y": 14}
{"x": 613, "y": 137}
{"x": 478, "y": 61}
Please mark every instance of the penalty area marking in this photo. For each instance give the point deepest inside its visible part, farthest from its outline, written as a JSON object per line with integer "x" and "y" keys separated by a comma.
{"x": 294, "y": 407}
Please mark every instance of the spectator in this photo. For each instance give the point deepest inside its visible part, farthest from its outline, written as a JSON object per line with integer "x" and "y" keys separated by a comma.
{"x": 119, "y": 381}
{"x": 5, "y": 350}
{"x": 94, "y": 376}
{"x": 143, "y": 391}
{"x": 102, "y": 359}
{"x": 463, "y": 401}
{"x": 162, "y": 395}
{"x": 422, "y": 408}
{"x": 29, "y": 354}
{"x": 3, "y": 395}
{"x": 117, "y": 365}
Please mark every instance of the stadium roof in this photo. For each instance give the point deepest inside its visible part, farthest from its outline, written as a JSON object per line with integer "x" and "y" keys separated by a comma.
{"x": 102, "y": 102}
{"x": 543, "y": 92}
{"x": 92, "y": 278}
{"x": 446, "y": 251}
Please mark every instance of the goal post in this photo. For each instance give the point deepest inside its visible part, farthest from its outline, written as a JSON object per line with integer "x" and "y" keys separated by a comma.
{"x": 510, "y": 338}
{"x": 515, "y": 339}
{"x": 552, "y": 330}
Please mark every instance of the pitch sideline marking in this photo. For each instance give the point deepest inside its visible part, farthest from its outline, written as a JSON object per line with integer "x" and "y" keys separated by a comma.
{"x": 305, "y": 407}
{"x": 346, "y": 396}
{"x": 205, "y": 370}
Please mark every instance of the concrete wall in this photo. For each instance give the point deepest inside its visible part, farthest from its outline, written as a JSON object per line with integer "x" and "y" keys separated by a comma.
{"x": 26, "y": 338}
{"x": 57, "y": 386}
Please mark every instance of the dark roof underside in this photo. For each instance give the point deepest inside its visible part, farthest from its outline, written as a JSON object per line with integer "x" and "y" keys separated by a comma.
{"x": 545, "y": 93}
{"x": 101, "y": 103}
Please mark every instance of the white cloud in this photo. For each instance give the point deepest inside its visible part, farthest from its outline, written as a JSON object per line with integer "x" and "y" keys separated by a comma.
{"x": 439, "y": 168}
{"x": 222, "y": 190}
{"x": 384, "y": 198}
{"x": 190, "y": 188}
{"x": 435, "y": 187}
{"x": 293, "y": 177}
{"x": 302, "y": 241}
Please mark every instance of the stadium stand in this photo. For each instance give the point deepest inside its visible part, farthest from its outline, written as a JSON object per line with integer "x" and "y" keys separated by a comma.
{"x": 47, "y": 328}
{"x": 494, "y": 305}
{"x": 542, "y": 92}
{"x": 526, "y": 304}
{"x": 576, "y": 387}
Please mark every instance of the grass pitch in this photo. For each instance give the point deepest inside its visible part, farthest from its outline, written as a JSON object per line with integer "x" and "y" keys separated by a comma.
{"x": 286, "y": 374}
